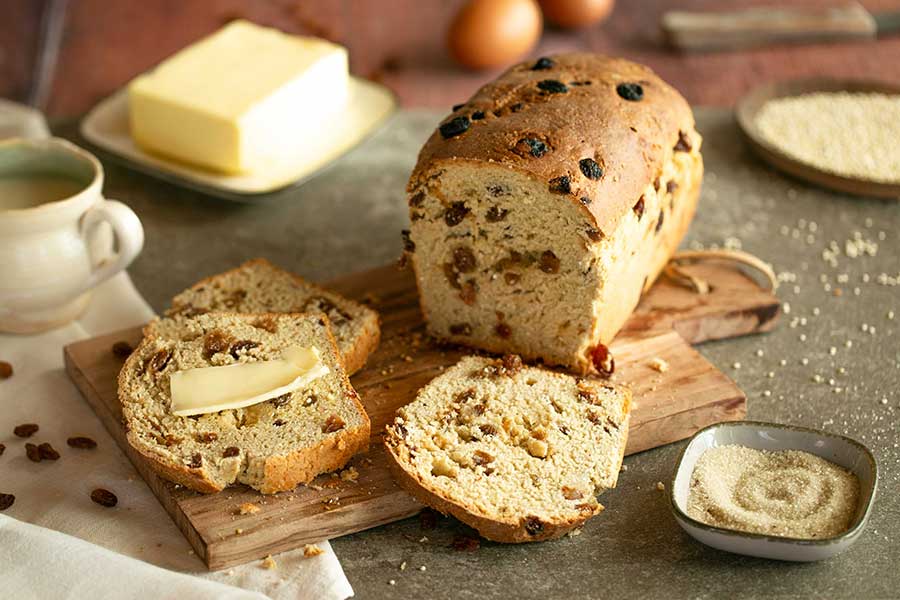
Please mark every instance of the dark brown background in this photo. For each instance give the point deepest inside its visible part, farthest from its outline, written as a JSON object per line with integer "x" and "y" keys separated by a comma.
{"x": 400, "y": 42}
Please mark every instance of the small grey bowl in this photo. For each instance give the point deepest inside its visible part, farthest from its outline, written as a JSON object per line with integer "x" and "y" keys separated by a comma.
{"x": 770, "y": 436}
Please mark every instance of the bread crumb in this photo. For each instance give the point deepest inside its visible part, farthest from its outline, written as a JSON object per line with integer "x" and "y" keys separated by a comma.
{"x": 422, "y": 568}
{"x": 659, "y": 365}
{"x": 423, "y": 539}
{"x": 403, "y": 566}
{"x": 660, "y": 485}
{"x": 574, "y": 532}
{"x": 350, "y": 474}
{"x": 248, "y": 508}
{"x": 269, "y": 563}
{"x": 310, "y": 550}
{"x": 392, "y": 582}
{"x": 239, "y": 531}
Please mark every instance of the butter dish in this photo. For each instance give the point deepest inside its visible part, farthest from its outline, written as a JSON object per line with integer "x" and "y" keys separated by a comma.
{"x": 368, "y": 106}
{"x": 841, "y": 450}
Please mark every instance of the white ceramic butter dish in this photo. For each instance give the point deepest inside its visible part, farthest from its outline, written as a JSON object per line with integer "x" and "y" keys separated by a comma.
{"x": 368, "y": 106}
{"x": 769, "y": 436}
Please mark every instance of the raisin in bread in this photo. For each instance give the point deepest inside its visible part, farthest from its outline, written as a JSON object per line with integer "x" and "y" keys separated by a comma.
{"x": 516, "y": 452}
{"x": 258, "y": 286}
{"x": 543, "y": 207}
{"x": 271, "y": 446}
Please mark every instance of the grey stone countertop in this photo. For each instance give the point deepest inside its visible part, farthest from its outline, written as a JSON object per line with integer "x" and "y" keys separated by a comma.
{"x": 348, "y": 218}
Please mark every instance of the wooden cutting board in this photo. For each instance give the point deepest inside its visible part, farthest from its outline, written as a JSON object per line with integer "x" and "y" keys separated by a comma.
{"x": 668, "y": 406}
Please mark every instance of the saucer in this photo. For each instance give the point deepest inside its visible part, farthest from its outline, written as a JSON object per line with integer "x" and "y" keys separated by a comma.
{"x": 838, "y": 449}
{"x": 368, "y": 106}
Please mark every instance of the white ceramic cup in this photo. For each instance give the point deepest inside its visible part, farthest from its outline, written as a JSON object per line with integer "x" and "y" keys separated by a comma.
{"x": 53, "y": 254}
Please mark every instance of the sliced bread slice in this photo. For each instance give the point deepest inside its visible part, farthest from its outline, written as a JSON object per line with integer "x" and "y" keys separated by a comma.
{"x": 272, "y": 446}
{"x": 516, "y": 452}
{"x": 258, "y": 286}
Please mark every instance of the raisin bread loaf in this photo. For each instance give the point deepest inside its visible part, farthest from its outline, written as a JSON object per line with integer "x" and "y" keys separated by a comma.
{"x": 271, "y": 446}
{"x": 258, "y": 286}
{"x": 516, "y": 452}
{"x": 543, "y": 207}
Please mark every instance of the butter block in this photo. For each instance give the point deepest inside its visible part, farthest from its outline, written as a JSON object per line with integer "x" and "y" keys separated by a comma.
{"x": 211, "y": 389}
{"x": 242, "y": 97}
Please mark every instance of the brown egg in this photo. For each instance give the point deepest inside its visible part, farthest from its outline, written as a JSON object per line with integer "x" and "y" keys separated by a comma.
{"x": 494, "y": 33}
{"x": 576, "y": 13}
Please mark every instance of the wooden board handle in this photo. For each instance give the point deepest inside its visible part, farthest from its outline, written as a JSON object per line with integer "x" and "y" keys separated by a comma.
{"x": 702, "y": 31}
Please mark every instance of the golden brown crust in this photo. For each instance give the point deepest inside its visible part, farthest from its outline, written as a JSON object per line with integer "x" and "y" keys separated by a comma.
{"x": 281, "y": 472}
{"x": 491, "y": 529}
{"x": 629, "y": 140}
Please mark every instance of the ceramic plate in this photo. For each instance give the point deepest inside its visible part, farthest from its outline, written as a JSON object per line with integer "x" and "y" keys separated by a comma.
{"x": 769, "y": 436}
{"x": 369, "y": 104}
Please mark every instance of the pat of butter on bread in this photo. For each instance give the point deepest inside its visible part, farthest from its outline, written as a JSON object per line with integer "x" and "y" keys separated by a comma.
{"x": 211, "y": 389}
{"x": 239, "y": 99}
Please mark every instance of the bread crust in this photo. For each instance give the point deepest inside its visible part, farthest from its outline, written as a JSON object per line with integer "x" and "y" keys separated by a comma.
{"x": 354, "y": 359}
{"x": 280, "y": 472}
{"x": 630, "y": 144}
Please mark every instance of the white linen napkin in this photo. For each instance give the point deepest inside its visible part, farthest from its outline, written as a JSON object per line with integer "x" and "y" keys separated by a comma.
{"x": 130, "y": 542}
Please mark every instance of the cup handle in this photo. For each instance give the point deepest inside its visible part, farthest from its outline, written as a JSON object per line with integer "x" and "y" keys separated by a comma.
{"x": 128, "y": 235}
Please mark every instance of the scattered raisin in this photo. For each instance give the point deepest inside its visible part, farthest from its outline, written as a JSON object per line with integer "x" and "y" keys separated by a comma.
{"x": 281, "y": 400}
{"x": 408, "y": 244}
{"x": 503, "y": 330}
{"x": 26, "y": 430}
{"x": 207, "y": 437}
{"x": 542, "y": 64}
{"x": 215, "y": 342}
{"x": 47, "y": 452}
{"x": 478, "y": 115}
{"x": 332, "y": 424}
{"x": 460, "y": 329}
{"x": 310, "y": 400}
{"x": 603, "y": 360}
{"x": 638, "y": 208}
{"x": 6, "y": 500}
{"x": 570, "y": 493}
{"x": 417, "y": 199}
{"x": 455, "y": 213}
{"x": 104, "y": 498}
{"x": 464, "y": 259}
{"x": 656, "y": 183}
{"x": 196, "y": 461}
{"x": 590, "y": 168}
{"x": 632, "y": 92}
{"x": 495, "y": 214}
{"x": 465, "y": 543}
{"x": 549, "y": 262}
{"x": 496, "y": 190}
{"x": 511, "y": 278}
{"x": 451, "y": 275}
{"x": 2, "y": 449}
{"x": 159, "y": 360}
{"x": 553, "y": 86}
{"x": 278, "y": 422}
{"x": 243, "y": 345}
{"x": 488, "y": 429}
{"x": 6, "y": 370}
{"x": 234, "y": 299}
{"x": 468, "y": 293}
{"x": 594, "y": 234}
{"x": 122, "y": 349}
{"x": 659, "y": 223}
{"x": 531, "y": 146}
{"x": 587, "y": 395}
{"x": 454, "y": 127}
{"x": 267, "y": 323}
{"x": 323, "y": 305}
{"x": 231, "y": 451}
{"x": 684, "y": 143}
{"x": 33, "y": 453}
{"x": 534, "y": 526}
{"x": 560, "y": 185}
{"x": 512, "y": 363}
{"x": 516, "y": 107}
{"x": 481, "y": 458}
{"x": 465, "y": 395}
{"x": 671, "y": 186}
{"x": 82, "y": 443}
